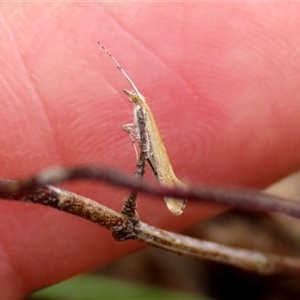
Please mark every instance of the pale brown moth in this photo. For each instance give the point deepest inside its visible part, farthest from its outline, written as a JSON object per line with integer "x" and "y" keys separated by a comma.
{"x": 157, "y": 156}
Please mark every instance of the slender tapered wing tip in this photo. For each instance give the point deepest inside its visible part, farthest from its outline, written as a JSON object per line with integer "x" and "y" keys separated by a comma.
{"x": 176, "y": 206}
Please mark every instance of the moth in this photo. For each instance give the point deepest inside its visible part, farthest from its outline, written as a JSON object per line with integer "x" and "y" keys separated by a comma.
{"x": 157, "y": 156}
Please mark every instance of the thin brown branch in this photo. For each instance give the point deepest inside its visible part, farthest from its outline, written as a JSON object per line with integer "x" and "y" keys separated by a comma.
{"x": 77, "y": 205}
{"x": 130, "y": 203}
{"x": 242, "y": 198}
{"x": 124, "y": 228}
{"x": 126, "y": 225}
{"x": 254, "y": 261}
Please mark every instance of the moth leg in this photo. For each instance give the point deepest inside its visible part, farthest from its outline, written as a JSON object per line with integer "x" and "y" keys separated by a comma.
{"x": 130, "y": 129}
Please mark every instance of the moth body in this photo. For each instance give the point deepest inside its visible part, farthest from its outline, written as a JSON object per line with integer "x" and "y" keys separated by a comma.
{"x": 157, "y": 156}
{"x": 151, "y": 143}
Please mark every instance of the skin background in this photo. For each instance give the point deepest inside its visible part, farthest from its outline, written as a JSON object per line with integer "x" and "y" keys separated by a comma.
{"x": 222, "y": 80}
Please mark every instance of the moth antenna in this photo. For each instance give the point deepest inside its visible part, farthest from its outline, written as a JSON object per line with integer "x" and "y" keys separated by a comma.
{"x": 122, "y": 71}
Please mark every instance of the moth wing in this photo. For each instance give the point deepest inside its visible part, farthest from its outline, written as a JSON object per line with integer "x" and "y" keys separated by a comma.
{"x": 175, "y": 205}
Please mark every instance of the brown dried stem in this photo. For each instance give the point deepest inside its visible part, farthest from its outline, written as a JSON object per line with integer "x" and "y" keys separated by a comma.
{"x": 126, "y": 225}
{"x": 130, "y": 204}
{"x": 241, "y": 198}
{"x": 254, "y": 261}
{"x": 124, "y": 228}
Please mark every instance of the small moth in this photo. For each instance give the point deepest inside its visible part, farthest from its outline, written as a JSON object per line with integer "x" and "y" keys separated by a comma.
{"x": 157, "y": 156}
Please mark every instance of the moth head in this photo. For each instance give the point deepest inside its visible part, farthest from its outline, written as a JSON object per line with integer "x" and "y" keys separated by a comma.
{"x": 134, "y": 96}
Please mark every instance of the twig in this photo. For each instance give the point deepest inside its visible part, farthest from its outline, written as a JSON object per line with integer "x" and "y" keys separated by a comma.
{"x": 124, "y": 228}
{"x": 246, "y": 199}
{"x": 130, "y": 205}
{"x": 77, "y": 205}
{"x": 254, "y": 261}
